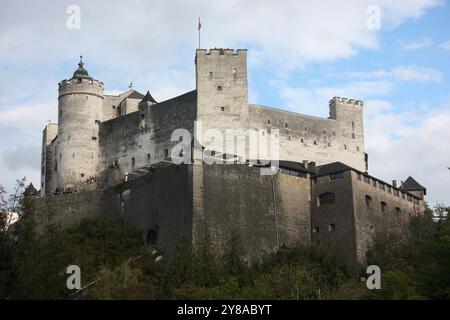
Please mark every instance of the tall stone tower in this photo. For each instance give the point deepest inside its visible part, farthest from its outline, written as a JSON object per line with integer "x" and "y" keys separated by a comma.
{"x": 222, "y": 91}
{"x": 80, "y": 104}
{"x": 348, "y": 114}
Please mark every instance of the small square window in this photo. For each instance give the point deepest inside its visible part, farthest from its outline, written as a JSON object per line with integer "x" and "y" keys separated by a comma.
{"x": 219, "y": 88}
{"x": 315, "y": 230}
{"x": 331, "y": 227}
{"x": 210, "y": 75}
{"x": 222, "y": 109}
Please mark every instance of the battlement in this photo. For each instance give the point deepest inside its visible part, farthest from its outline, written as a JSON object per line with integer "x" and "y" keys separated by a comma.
{"x": 68, "y": 82}
{"x": 346, "y": 101}
{"x": 221, "y": 52}
{"x": 88, "y": 86}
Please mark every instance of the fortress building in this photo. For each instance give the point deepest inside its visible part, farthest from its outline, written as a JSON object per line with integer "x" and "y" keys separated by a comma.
{"x": 114, "y": 155}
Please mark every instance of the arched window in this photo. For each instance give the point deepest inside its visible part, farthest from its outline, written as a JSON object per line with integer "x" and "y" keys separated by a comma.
{"x": 368, "y": 201}
{"x": 398, "y": 210}
{"x": 152, "y": 237}
{"x": 383, "y": 207}
{"x": 326, "y": 198}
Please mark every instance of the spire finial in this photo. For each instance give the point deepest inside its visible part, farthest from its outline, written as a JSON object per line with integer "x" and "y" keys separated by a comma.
{"x": 81, "y": 72}
{"x": 130, "y": 86}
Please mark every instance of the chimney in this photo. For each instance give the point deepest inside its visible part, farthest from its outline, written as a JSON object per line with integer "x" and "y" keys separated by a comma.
{"x": 312, "y": 166}
{"x": 305, "y": 164}
{"x": 394, "y": 183}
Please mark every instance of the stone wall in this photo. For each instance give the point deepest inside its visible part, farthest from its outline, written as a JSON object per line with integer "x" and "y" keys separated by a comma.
{"x": 142, "y": 138}
{"x": 333, "y": 225}
{"x": 315, "y": 139}
{"x": 158, "y": 205}
{"x": 377, "y": 220}
{"x": 237, "y": 198}
{"x": 222, "y": 98}
{"x": 66, "y": 209}
{"x": 48, "y": 180}
{"x": 80, "y": 104}
{"x": 350, "y": 225}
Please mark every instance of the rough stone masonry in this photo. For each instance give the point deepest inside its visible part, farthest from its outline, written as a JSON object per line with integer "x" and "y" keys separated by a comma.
{"x": 114, "y": 155}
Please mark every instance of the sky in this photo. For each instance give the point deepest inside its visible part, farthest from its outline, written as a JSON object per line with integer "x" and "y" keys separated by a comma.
{"x": 394, "y": 55}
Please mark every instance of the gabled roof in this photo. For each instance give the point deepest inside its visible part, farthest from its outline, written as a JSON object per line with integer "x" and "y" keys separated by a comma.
{"x": 30, "y": 190}
{"x": 135, "y": 95}
{"x": 148, "y": 98}
{"x": 412, "y": 185}
{"x": 333, "y": 167}
{"x": 297, "y": 166}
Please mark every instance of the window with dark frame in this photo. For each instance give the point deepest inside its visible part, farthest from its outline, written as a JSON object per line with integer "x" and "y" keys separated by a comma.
{"x": 325, "y": 199}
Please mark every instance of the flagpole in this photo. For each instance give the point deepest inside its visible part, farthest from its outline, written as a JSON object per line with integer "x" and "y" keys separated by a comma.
{"x": 199, "y": 27}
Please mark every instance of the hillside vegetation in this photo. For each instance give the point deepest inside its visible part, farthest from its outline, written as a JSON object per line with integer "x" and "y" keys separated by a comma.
{"x": 110, "y": 253}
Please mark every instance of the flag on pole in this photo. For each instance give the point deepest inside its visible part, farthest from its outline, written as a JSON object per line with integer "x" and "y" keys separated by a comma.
{"x": 199, "y": 27}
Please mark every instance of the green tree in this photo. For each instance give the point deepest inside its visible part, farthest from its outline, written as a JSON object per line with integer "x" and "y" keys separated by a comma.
{"x": 234, "y": 258}
{"x": 207, "y": 271}
{"x": 181, "y": 267}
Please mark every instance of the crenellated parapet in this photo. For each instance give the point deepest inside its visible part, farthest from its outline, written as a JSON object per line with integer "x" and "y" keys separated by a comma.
{"x": 221, "y": 52}
{"x": 346, "y": 101}
{"x": 81, "y": 86}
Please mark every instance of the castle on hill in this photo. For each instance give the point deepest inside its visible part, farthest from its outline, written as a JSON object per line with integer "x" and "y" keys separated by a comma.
{"x": 196, "y": 162}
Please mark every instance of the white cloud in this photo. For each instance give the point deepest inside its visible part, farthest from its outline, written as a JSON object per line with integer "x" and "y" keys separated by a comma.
{"x": 399, "y": 144}
{"x": 375, "y": 107}
{"x": 314, "y": 100}
{"x": 415, "y": 44}
{"x": 416, "y": 73}
{"x": 20, "y": 147}
{"x": 411, "y": 143}
{"x": 403, "y": 73}
{"x": 445, "y": 45}
{"x": 159, "y": 33}
{"x": 153, "y": 43}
